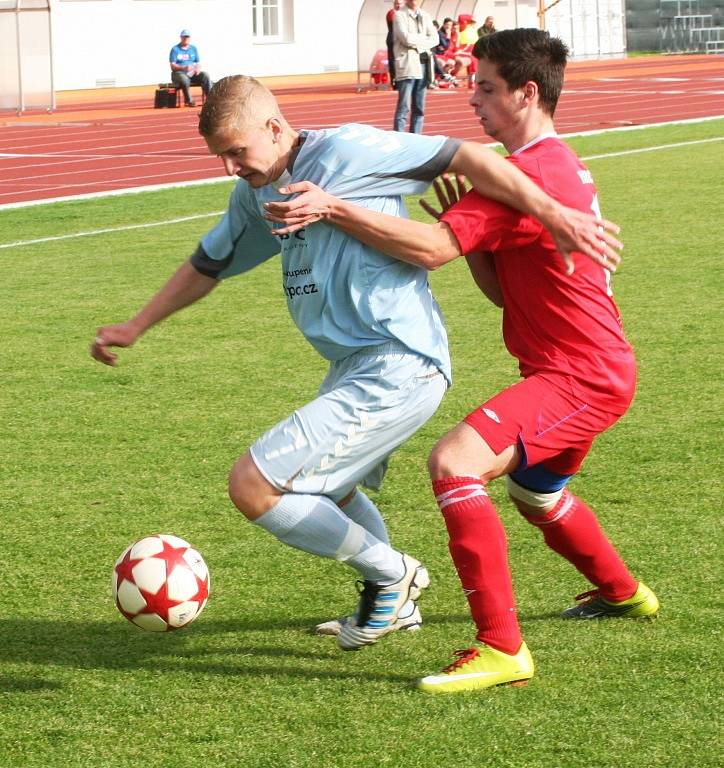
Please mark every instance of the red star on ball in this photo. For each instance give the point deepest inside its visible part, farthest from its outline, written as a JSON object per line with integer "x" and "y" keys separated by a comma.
{"x": 159, "y": 603}
{"x": 202, "y": 592}
{"x": 124, "y": 569}
{"x": 173, "y": 556}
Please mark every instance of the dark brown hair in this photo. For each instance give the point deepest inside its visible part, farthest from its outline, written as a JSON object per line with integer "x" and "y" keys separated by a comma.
{"x": 521, "y": 55}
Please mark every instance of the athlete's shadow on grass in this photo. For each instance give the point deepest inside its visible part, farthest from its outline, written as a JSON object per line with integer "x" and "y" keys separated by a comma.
{"x": 10, "y": 684}
{"x": 435, "y": 619}
{"x": 212, "y": 647}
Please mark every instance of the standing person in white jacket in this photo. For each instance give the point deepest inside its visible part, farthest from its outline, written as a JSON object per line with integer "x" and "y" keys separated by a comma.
{"x": 414, "y": 36}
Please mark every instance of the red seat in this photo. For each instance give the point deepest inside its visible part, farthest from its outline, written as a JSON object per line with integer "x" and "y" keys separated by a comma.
{"x": 379, "y": 68}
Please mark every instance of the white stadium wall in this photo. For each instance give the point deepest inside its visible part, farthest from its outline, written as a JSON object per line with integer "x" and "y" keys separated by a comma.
{"x": 99, "y": 43}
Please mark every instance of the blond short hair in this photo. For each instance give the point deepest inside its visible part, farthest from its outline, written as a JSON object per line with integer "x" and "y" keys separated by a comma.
{"x": 237, "y": 102}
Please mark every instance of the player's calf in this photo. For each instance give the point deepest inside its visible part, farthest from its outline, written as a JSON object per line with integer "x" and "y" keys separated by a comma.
{"x": 570, "y": 528}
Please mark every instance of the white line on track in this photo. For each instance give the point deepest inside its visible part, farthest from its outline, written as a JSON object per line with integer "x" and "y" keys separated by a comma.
{"x": 178, "y": 155}
{"x": 90, "y": 233}
{"x": 213, "y": 180}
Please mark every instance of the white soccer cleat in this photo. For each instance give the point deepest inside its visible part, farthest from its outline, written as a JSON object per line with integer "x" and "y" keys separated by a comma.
{"x": 410, "y": 623}
{"x": 379, "y": 606}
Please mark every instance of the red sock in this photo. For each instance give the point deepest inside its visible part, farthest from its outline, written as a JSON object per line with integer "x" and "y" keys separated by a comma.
{"x": 479, "y": 549}
{"x": 572, "y": 530}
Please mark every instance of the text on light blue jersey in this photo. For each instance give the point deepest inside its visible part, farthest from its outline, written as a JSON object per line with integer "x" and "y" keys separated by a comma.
{"x": 342, "y": 295}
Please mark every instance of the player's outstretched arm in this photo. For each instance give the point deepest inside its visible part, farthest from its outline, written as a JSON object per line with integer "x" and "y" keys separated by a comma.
{"x": 186, "y": 286}
{"x": 426, "y": 245}
{"x": 572, "y": 230}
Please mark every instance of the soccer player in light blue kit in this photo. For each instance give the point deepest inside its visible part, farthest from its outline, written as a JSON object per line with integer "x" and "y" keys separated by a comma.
{"x": 373, "y": 317}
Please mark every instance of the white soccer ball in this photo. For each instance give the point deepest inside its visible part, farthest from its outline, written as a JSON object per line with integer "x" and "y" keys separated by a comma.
{"x": 161, "y": 583}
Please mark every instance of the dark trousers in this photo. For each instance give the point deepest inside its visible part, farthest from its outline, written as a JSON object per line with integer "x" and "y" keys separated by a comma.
{"x": 390, "y": 57}
{"x": 183, "y": 81}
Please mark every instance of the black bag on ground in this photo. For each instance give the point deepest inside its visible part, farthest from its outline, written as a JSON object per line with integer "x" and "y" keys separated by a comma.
{"x": 165, "y": 97}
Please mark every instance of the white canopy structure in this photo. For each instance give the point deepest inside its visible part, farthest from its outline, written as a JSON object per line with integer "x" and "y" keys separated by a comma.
{"x": 26, "y": 77}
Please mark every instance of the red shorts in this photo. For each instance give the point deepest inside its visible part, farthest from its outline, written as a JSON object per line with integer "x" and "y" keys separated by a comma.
{"x": 552, "y": 418}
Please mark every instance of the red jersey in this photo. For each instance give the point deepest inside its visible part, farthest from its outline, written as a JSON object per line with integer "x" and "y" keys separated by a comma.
{"x": 551, "y": 321}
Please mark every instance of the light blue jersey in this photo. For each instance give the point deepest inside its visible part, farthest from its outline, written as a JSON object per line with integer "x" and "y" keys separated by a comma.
{"x": 342, "y": 294}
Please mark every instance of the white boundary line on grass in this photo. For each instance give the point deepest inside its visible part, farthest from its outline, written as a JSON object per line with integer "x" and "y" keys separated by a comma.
{"x": 128, "y": 227}
{"x": 217, "y": 179}
{"x": 652, "y": 149}
{"x": 114, "y": 193}
{"x": 125, "y": 228}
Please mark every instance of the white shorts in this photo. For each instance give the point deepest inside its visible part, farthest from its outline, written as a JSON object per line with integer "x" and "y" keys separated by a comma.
{"x": 368, "y": 404}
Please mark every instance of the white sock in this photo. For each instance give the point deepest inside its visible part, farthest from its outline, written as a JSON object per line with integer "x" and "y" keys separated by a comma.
{"x": 315, "y": 524}
{"x": 362, "y": 510}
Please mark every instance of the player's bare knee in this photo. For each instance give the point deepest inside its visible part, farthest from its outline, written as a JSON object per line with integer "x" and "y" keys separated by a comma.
{"x": 463, "y": 452}
{"x": 237, "y": 485}
{"x": 251, "y": 494}
{"x": 442, "y": 462}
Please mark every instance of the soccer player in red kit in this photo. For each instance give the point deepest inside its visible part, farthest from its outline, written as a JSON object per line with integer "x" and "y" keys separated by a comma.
{"x": 578, "y": 369}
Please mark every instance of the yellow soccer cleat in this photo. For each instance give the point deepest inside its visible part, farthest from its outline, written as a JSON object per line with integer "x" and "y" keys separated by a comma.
{"x": 480, "y": 667}
{"x": 642, "y": 604}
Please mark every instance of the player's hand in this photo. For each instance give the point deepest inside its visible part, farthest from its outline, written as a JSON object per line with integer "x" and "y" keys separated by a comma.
{"x": 311, "y": 205}
{"x": 447, "y": 193}
{"x": 121, "y": 335}
{"x": 579, "y": 232}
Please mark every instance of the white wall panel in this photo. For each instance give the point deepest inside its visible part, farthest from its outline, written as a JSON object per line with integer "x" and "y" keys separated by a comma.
{"x": 590, "y": 28}
{"x": 127, "y": 42}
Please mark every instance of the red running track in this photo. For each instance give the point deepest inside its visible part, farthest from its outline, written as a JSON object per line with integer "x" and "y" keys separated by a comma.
{"x": 88, "y": 148}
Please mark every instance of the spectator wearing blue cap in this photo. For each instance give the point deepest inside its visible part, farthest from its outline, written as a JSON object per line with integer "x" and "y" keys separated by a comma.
{"x": 186, "y": 68}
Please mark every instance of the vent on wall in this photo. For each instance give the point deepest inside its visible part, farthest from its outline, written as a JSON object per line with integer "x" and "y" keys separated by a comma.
{"x": 108, "y": 82}
{"x": 331, "y": 68}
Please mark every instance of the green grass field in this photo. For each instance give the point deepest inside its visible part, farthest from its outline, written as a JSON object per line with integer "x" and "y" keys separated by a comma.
{"x": 93, "y": 458}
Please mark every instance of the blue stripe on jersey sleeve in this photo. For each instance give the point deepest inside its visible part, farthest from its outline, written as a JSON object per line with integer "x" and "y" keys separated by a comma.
{"x": 239, "y": 242}
{"x": 357, "y": 161}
